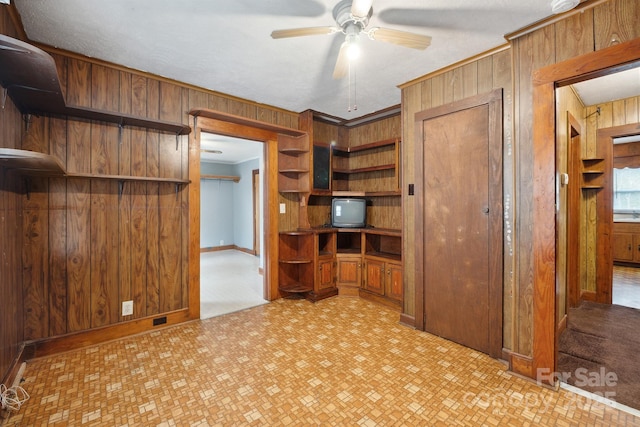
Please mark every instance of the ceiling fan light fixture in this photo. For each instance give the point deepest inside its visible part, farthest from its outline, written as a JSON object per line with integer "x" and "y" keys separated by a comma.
{"x": 560, "y": 6}
{"x": 353, "y": 47}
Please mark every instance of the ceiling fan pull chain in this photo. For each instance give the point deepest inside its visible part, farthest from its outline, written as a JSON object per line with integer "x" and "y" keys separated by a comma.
{"x": 355, "y": 89}
{"x": 349, "y": 90}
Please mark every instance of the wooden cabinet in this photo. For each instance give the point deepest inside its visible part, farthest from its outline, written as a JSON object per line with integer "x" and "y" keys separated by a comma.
{"x": 324, "y": 261}
{"x": 321, "y": 263}
{"x": 349, "y": 273}
{"x": 374, "y": 276}
{"x": 393, "y": 283}
{"x": 383, "y": 267}
{"x": 626, "y": 242}
{"x": 306, "y": 264}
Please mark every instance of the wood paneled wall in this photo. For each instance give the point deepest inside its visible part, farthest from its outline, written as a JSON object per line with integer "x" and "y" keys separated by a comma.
{"x": 11, "y": 197}
{"x": 77, "y": 247}
{"x": 476, "y": 76}
{"x": 587, "y": 29}
{"x": 595, "y": 25}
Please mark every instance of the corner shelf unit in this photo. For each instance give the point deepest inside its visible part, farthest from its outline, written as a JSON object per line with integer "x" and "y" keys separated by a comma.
{"x": 294, "y": 166}
{"x": 353, "y": 168}
{"x": 30, "y": 78}
{"x": 295, "y": 263}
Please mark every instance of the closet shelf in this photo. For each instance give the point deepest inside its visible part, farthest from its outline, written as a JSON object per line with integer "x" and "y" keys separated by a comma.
{"x": 221, "y": 177}
{"x": 40, "y": 164}
{"x": 29, "y": 76}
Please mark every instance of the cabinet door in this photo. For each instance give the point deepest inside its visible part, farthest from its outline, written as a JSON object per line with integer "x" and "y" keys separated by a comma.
{"x": 374, "y": 281}
{"x": 349, "y": 270}
{"x": 325, "y": 274}
{"x": 623, "y": 247}
{"x": 635, "y": 249}
{"x": 393, "y": 281}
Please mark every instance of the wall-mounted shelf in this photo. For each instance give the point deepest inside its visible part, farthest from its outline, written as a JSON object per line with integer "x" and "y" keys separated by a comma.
{"x": 29, "y": 76}
{"x": 39, "y": 164}
{"x": 371, "y": 169}
{"x": 222, "y": 177}
{"x": 592, "y": 172}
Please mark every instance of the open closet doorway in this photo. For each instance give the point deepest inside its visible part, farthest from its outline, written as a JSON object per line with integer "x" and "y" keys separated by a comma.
{"x": 598, "y": 256}
{"x": 231, "y": 217}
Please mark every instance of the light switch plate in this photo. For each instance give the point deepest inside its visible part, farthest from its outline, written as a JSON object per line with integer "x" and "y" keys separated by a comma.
{"x": 283, "y": 208}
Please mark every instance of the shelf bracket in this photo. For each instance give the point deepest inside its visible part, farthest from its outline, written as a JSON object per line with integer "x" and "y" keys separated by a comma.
{"x": 4, "y": 96}
{"x": 27, "y": 188}
{"x": 27, "y": 122}
{"x": 120, "y": 131}
{"x": 120, "y": 189}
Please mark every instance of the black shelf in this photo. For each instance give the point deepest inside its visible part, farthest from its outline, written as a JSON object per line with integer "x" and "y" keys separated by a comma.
{"x": 30, "y": 78}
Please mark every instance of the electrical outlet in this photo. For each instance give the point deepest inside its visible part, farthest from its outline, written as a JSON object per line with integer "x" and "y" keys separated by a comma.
{"x": 127, "y": 308}
{"x": 221, "y": 242}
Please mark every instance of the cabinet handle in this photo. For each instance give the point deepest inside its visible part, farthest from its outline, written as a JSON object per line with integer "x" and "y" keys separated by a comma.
{"x": 629, "y": 246}
{"x": 389, "y": 271}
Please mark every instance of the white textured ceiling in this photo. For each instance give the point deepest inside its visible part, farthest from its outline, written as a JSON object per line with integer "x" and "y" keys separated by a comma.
{"x": 225, "y": 45}
{"x": 231, "y": 150}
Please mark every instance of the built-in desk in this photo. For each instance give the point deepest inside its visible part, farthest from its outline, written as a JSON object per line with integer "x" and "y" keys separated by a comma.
{"x": 325, "y": 261}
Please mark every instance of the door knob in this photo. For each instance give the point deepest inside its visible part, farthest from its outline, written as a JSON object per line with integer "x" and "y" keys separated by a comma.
{"x": 485, "y": 210}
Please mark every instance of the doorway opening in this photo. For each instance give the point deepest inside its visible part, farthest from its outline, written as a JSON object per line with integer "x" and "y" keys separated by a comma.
{"x": 231, "y": 263}
{"x": 595, "y": 228}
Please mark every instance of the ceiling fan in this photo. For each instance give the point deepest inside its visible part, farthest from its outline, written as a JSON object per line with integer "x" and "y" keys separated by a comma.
{"x": 352, "y": 17}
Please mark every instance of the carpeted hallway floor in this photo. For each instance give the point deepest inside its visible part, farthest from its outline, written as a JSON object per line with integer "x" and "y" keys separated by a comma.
{"x": 598, "y": 351}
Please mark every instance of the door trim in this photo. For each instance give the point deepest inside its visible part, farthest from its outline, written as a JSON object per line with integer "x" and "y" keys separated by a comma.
{"x": 583, "y": 67}
{"x": 494, "y": 101}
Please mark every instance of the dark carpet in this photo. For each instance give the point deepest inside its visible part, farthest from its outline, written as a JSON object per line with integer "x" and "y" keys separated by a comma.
{"x": 599, "y": 351}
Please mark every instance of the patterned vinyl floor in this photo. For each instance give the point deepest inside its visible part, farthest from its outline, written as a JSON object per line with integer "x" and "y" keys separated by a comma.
{"x": 341, "y": 362}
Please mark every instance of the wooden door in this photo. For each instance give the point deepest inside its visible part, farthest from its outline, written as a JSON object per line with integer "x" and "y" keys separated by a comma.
{"x": 460, "y": 212}
{"x": 349, "y": 271}
{"x": 622, "y": 247}
{"x": 374, "y": 280}
{"x": 326, "y": 274}
{"x": 393, "y": 283}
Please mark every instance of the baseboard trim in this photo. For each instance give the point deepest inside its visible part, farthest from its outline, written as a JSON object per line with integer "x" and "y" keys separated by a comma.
{"x": 81, "y": 339}
{"x": 562, "y": 325}
{"x": 226, "y": 248}
{"x": 408, "y": 320}
{"x": 13, "y": 370}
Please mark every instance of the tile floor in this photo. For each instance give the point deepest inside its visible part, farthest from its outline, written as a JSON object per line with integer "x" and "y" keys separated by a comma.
{"x": 229, "y": 281}
{"x": 341, "y": 361}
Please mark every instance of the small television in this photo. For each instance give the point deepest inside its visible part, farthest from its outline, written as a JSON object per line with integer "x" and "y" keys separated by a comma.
{"x": 348, "y": 213}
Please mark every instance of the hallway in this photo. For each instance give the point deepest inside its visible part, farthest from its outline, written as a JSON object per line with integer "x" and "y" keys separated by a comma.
{"x": 229, "y": 281}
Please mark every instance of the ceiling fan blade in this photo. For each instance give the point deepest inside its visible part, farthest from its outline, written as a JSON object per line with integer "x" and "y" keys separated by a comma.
{"x": 342, "y": 63}
{"x": 361, "y": 8}
{"x": 402, "y": 38}
{"x": 299, "y": 32}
